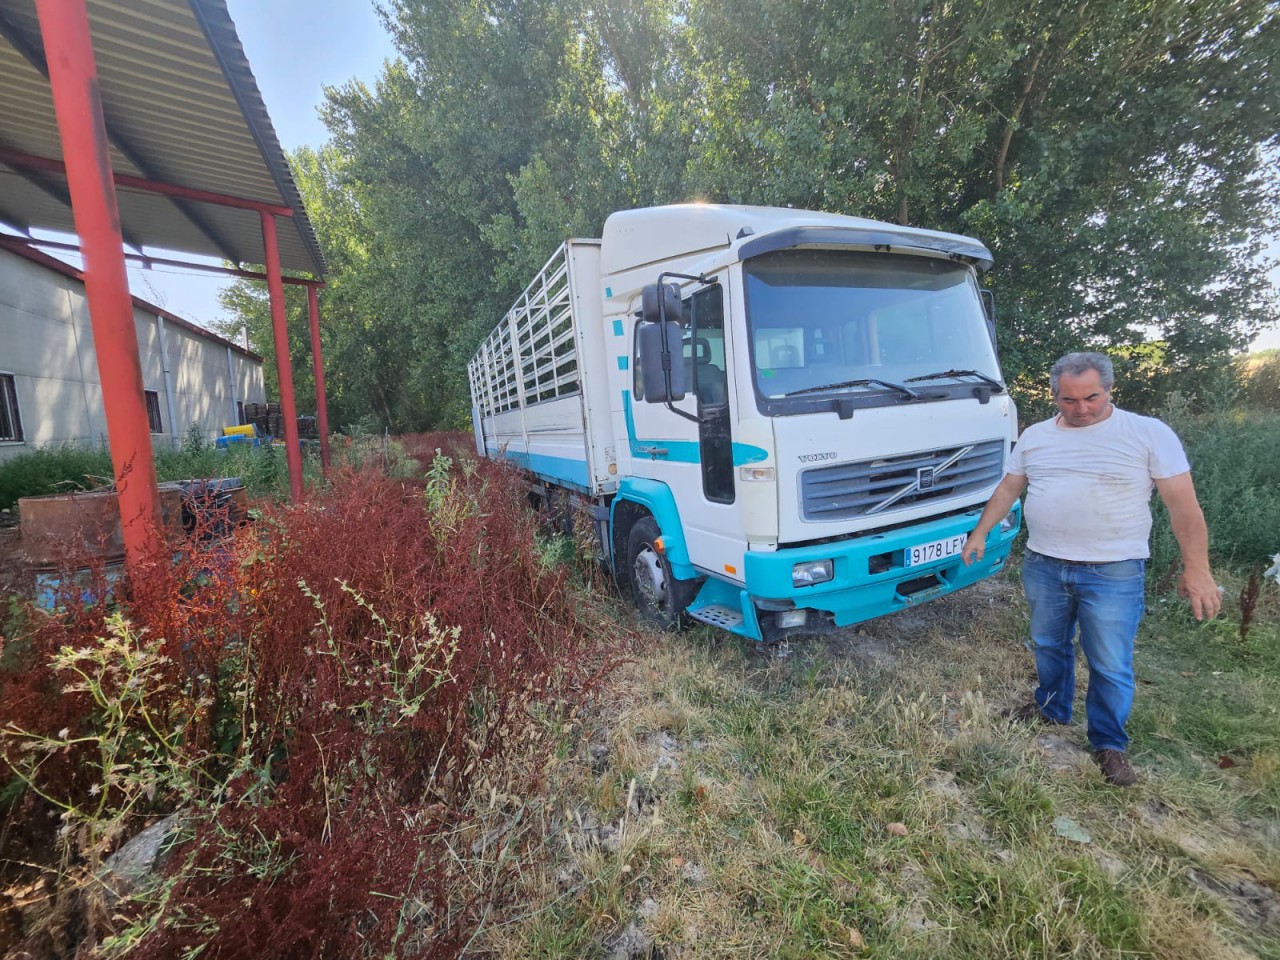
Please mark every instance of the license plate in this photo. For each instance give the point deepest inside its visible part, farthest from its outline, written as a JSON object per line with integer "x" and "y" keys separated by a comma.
{"x": 935, "y": 550}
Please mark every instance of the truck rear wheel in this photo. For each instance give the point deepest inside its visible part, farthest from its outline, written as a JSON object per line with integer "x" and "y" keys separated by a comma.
{"x": 659, "y": 596}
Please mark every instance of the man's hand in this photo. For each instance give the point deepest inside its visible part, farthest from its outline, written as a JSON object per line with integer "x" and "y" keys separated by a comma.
{"x": 1002, "y": 499}
{"x": 975, "y": 548}
{"x": 1199, "y": 587}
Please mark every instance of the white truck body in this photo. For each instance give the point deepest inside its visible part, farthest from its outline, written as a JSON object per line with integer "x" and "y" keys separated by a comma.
{"x": 846, "y": 422}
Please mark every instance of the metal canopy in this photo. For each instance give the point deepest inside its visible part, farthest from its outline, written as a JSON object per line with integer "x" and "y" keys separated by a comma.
{"x": 181, "y": 107}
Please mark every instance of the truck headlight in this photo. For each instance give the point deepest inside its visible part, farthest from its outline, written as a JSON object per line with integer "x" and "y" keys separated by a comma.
{"x": 1009, "y": 522}
{"x": 814, "y": 571}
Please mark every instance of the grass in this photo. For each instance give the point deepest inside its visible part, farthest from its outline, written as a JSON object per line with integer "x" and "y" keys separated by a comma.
{"x": 264, "y": 470}
{"x": 768, "y": 786}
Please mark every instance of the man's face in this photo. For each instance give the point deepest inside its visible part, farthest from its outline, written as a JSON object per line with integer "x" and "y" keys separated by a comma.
{"x": 1082, "y": 400}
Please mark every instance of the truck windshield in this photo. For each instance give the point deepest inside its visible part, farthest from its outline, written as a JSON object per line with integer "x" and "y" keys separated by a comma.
{"x": 857, "y": 321}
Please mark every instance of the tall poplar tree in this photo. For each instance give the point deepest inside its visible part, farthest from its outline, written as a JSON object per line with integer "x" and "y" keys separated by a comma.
{"x": 1119, "y": 158}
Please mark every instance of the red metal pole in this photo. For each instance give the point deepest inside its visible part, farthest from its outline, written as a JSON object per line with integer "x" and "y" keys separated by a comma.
{"x": 73, "y": 81}
{"x": 275, "y": 288}
{"x": 317, "y": 361}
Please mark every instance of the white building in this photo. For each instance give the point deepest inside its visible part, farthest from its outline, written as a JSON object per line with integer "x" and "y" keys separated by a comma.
{"x": 50, "y": 392}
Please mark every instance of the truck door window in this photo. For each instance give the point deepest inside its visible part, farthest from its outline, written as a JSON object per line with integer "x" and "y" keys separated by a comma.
{"x": 705, "y": 355}
{"x": 704, "y": 351}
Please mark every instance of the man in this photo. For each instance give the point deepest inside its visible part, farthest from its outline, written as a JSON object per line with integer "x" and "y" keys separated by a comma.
{"x": 1089, "y": 473}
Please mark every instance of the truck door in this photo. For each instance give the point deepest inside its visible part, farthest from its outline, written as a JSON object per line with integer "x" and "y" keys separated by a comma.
{"x": 695, "y": 459}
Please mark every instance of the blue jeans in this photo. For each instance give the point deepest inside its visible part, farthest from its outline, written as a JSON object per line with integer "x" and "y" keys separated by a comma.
{"x": 1106, "y": 601}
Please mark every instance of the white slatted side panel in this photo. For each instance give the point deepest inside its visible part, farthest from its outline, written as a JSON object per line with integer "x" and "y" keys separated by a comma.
{"x": 532, "y": 352}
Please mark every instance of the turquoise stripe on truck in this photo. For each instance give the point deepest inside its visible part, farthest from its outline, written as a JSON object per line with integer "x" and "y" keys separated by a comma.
{"x": 563, "y": 470}
{"x": 681, "y": 451}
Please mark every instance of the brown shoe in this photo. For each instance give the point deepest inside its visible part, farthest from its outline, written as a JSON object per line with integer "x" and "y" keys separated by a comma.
{"x": 1029, "y": 713}
{"x": 1116, "y": 769}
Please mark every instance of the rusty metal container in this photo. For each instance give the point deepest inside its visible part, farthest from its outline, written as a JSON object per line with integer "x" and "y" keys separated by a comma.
{"x": 85, "y": 524}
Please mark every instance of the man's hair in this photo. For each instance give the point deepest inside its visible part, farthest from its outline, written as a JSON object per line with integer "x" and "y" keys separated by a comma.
{"x": 1075, "y": 364}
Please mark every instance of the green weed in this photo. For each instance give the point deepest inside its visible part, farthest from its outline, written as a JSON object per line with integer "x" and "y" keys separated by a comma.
{"x": 1235, "y": 462}
{"x": 53, "y": 470}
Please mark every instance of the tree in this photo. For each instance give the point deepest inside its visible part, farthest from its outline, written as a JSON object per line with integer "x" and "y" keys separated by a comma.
{"x": 1113, "y": 156}
{"x": 1119, "y": 159}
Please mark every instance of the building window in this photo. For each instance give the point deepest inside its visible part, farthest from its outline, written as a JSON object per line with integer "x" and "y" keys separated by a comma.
{"x": 10, "y": 421}
{"x": 153, "y": 411}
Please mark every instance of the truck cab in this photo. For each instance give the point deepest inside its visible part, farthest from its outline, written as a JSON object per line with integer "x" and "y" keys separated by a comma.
{"x": 826, "y": 425}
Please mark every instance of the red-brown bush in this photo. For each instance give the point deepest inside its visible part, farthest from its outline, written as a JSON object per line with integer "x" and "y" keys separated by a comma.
{"x": 349, "y": 669}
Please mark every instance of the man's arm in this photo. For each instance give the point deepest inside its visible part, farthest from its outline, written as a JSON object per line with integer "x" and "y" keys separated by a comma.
{"x": 1187, "y": 519}
{"x": 1010, "y": 488}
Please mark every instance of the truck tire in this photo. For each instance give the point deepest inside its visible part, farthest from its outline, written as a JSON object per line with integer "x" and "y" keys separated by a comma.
{"x": 658, "y": 595}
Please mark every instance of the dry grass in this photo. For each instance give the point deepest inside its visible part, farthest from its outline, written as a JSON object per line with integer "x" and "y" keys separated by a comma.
{"x": 725, "y": 803}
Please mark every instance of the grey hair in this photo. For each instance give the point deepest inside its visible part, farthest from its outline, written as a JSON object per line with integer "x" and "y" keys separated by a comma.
{"x": 1075, "y": 364}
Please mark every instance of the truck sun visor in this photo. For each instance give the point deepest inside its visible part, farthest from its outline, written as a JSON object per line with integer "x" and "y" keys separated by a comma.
{"x": 952, "y": 245}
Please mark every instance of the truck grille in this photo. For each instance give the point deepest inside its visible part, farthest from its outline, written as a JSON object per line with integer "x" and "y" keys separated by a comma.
{"x": 869, "y": 487}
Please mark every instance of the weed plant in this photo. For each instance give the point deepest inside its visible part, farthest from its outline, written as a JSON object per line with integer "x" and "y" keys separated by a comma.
{"x": 67, "y": 469}
{"x": 264, "y": 470}
{"x": 348, "y": 704}
{"x": 53, "y": 470}
{"x": 1235, "y": 461}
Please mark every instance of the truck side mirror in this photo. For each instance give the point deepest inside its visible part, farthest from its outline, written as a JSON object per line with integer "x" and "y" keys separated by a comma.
{"x": 661, "y": 301}
{"x": 661, "y": 358}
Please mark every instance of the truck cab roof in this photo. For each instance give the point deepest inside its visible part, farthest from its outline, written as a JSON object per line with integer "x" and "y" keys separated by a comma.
{"x": 635, "y": 238}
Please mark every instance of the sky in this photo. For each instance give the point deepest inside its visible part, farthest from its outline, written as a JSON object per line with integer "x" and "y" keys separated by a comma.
{"x": 296, "y": 48}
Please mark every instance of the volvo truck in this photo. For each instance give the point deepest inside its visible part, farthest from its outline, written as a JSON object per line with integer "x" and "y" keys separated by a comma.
{"x": 778, "y": 421}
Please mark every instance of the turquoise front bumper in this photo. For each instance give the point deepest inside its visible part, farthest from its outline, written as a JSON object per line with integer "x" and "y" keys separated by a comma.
{"x": 855, "y": 593}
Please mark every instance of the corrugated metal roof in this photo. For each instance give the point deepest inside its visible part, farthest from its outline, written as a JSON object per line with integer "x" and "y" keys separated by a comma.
{"x": 181, "y": 107}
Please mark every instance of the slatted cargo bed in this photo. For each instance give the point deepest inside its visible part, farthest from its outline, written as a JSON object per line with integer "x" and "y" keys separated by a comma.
{"x": 538, "y": 382}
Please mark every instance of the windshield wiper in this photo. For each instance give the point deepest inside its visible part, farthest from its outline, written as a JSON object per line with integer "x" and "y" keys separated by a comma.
{"x": 941, "y": 374}
{"x": 867, "y": 382}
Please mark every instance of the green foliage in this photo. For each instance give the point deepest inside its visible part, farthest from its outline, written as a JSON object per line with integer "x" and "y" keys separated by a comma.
{"x": 1235, "y": 460}
{"x": 64, "y": 469}
{"x": 194, "y": 442}
{"x": 1117, "y": 158}
{"x": 54, "y": 470}
{"x": 263, "y": 469}
{"x": 1259, "y": 376}
{"x": 1112, "y": 156}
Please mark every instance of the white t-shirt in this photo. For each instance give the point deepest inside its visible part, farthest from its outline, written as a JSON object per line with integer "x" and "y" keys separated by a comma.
{"x": 1089, "y": 488}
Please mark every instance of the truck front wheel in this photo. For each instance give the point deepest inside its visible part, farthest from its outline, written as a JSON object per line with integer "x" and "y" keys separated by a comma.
{"x": 659, "y": 596}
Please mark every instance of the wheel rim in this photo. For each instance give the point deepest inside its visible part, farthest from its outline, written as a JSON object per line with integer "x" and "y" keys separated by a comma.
{"x": 650, "y": 578}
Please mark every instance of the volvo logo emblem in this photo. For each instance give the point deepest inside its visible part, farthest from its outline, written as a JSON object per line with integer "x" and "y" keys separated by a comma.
{"x": 926, "y": 479}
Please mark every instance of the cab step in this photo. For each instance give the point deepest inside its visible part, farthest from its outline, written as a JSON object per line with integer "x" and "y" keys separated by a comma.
{"x": 718, "y": 615}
